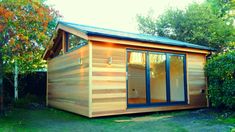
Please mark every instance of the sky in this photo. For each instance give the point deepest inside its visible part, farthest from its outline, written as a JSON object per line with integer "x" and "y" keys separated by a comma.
{"x": 113, "y": 14}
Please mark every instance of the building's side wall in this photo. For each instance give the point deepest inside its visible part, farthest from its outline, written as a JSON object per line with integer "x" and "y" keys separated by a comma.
{"x": 68, "y": 81}
{"x": 109, "y": 81}
{"x": 196, "y": 79}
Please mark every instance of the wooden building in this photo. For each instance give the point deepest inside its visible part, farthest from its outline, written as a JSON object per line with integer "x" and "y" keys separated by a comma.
{"x": 99, "y": 72}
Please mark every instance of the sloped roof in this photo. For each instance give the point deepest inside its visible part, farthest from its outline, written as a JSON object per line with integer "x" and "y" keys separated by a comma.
{"x": 96, "y": 31}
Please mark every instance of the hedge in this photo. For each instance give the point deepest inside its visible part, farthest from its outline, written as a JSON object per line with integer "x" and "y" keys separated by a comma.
{"x": 220, "y": 70}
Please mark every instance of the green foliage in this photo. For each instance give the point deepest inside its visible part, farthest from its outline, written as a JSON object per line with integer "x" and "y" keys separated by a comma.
{"x": 224, "y": 9}
{"x": 197, "y": 24}
{"x": 220, "y": 70}
{"x": 26, "y": 26}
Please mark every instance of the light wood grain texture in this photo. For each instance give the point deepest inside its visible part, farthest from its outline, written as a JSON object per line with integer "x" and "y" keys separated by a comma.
{"x": 97, "y": 88}
{"x": 196, "y": 79}
{"x": 109, "y": 81}
{"x": 68, "y": 81}
{"x": 145, "y": 44}
{"x": 143, "y": 110}
{"x": 90, "y": 77}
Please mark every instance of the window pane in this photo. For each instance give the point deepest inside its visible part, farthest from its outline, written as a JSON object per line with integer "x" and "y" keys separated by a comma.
{"x": 157, "y": 77}
{"x": 176, "y": 78}
{"x": 136, "y": 78}
{"x": 75, "y": 41}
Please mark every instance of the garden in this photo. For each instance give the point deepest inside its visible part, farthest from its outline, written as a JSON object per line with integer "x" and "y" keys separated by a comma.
{"x": 48, "y": 119}
{"x": 27, "y": 26}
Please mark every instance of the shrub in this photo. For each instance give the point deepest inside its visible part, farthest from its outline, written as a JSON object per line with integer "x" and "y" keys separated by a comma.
{"x": 220, "y": 70}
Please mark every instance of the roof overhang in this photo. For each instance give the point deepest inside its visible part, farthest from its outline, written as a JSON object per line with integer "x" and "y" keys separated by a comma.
{"x": 100, "y": 34}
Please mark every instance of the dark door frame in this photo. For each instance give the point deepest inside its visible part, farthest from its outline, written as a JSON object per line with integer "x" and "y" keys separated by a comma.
{"x": 147, "y": 74}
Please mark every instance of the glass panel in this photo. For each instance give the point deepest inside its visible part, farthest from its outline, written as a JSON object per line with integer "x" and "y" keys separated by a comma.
{"x": 157, "y": 78}
{"x": 75, "y": 41}
{"x": 176, "y": 78}
{"x": 136, "y": 78}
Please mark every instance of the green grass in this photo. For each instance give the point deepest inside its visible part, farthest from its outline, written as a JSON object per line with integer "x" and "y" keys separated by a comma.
{"x": 49, "y": 119}
{"x": 229, "y": 120}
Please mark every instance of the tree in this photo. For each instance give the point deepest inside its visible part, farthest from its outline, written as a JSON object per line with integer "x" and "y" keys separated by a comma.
{"x": 224, "y": 9}
{"x": 5, "y": 15}
{"x": 26, "y": 26}
{"x": 196, "y": 24}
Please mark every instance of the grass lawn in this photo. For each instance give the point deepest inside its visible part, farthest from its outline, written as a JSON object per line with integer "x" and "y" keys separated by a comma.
{"x": 48, "y": 119}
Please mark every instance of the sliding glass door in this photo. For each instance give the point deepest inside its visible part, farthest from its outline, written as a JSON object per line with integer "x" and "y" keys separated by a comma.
{"x": 157, "y": 67}
{"x": 155, "y": 78}
{"x": 136, "y": 67}
{"x": 177, "y": 89}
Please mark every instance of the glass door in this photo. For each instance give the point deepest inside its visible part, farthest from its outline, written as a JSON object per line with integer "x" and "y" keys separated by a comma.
{"x": 136, "y": 69}
{"x": 155, "y": 78}
{"x": 157, "y": 67}
{"x": 177, "y": 78}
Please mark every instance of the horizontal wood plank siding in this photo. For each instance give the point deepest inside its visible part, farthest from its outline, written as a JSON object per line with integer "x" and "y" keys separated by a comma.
{"x": 108, "y": 80}
{"x": 196, "y": 79}
{"x": 68, "y": 81}
{"x": 145, "y": 45}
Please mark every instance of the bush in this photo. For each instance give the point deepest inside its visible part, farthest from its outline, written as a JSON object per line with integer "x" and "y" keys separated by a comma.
{"x": 220, "y": 70}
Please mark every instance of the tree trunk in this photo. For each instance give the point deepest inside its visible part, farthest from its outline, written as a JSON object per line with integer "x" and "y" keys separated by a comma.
{"x": 16, "y": 80}
{"x": 1, "y": 81}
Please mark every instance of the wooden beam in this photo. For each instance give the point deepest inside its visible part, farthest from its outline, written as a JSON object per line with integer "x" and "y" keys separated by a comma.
{"x": 90, "y": 78}
{"x": 63, "y": 42}
{"x": 57, "y": 41}
{"x": 47, "y": 53}
{"x": 187, "y": 78}
{"x": 146, "y": 44}
{"x": 73, "y": 31}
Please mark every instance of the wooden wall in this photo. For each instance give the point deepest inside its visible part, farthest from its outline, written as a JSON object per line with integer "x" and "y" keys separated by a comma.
{"x": 97, "y": 88}
{"x": 68, "y": 82}
{"x": 196, "y": 79}
{"x": 109, "y": 81}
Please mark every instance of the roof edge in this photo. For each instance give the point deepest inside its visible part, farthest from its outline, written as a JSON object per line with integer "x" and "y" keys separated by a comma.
{"x": 168, "y": 41}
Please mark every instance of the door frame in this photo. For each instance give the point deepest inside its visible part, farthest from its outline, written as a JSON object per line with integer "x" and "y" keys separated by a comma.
{"x": 147, "y": 74}
{"x": 146, "y": 79}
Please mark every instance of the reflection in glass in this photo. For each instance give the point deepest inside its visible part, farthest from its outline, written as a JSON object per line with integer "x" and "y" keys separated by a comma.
{"x": 176, "y": 78}
{"x": 75, "y": 41}
{"x": 136, "y": 78}
{"x": 157, "y": 78}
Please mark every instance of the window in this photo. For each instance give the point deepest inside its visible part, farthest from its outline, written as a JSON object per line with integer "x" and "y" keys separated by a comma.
{"x": 155, "y": 78}
{"x": 157, "y": 67}
{"x": 137, "y": 58}
{"x": 136, "y": 78}
{"x": 177, "y": 78}
{"x": 74, "y": 42}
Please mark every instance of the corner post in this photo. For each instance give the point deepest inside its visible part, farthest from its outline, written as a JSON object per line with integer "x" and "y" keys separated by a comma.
{"x": 90, "y": 78}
